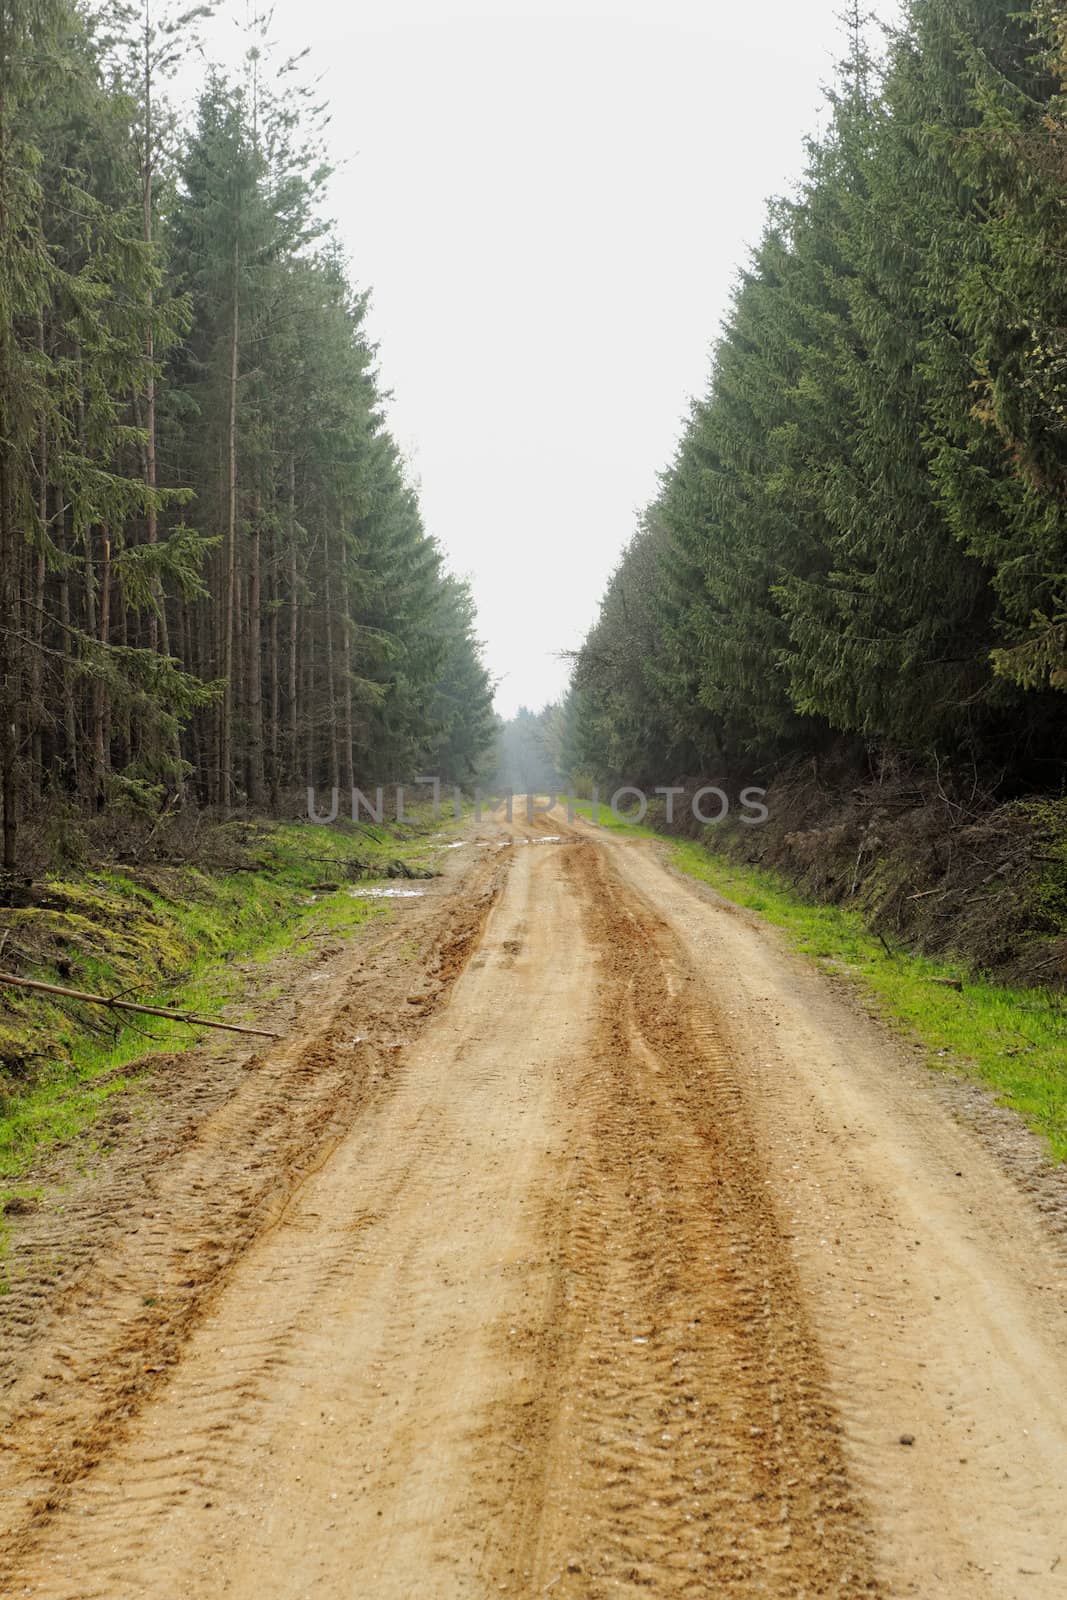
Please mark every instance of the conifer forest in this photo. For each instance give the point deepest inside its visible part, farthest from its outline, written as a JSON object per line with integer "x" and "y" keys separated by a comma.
{"x": 215, "y": 583}
{"x": 861, "y": 540}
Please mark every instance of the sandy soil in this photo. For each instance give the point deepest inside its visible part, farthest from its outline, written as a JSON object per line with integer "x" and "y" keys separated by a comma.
{"x": 577, "y": 1240}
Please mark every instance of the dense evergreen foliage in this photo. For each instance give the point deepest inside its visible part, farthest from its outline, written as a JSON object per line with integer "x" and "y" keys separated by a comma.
{"x": 214, "y": 581}
{"x": 863, "y": 534}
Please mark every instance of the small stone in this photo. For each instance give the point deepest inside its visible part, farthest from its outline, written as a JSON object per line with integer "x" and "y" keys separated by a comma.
{"x": 907, "y": 1438}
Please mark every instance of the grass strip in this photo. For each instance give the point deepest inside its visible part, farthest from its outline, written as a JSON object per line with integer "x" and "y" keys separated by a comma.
{"x": 1012, "y": 1040}
{"x": 172, "y": 937}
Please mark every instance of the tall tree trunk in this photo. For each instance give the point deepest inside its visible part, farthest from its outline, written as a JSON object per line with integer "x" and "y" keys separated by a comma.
{"x": 91, "y": 628}
{"x": 273, "y": 672}
{"x": 158, "y": 634}
{"x": 125, "y": 729}
{"x": 70, "y": 722}
{"x": 346, "y": 668}
{"x": 254, "y": 674}
{"x": 105, "y": 639}
{"x": 311, "y": 739}
{"x": 240, "y": 708}
{"x": 99, "y": 630}
{"x": 36, "y": 618}
{"x": 157, "y": 625}
{"x": 294, "y": 630}
{"x": 208, "y": 647}
{"x": 331, "y": 682}
{"x": 9, "y": 658}
{"x": 226, "y": 739}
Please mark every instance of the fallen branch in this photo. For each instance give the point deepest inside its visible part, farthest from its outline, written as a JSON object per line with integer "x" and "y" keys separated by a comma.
{"x": 115, "y": 1003}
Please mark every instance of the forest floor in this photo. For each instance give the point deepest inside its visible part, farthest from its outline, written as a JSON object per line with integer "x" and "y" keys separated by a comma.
{"x": 578, "y": 1238}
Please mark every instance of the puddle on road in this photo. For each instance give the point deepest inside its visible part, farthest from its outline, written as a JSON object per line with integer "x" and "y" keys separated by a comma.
{"x": 386, "y": 893}
{"x": 509, "y": 844}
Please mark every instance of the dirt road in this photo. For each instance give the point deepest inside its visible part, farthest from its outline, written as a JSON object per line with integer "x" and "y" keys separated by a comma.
{"x": 577, "y": 1241}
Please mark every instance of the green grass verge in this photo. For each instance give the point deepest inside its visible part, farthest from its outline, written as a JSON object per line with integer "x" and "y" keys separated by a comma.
{"x": 167, "y": 937}
{"x": 1012, "y": 1040}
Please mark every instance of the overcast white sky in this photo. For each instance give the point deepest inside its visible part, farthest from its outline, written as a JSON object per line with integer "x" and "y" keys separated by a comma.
{"x": 549, "y": 204}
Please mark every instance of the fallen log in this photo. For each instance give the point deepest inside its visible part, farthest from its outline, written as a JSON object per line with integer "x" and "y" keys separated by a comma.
{"x": 114, "y": 1003}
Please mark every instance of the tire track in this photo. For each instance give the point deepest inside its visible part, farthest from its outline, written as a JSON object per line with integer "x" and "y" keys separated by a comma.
{"x": 695, "y": 1450}
{"x": 936, "y": 1286}
{"x": 341, "y": 1407}
{"x": 98, "y": 1339}
{"x": 531, "y": 1327}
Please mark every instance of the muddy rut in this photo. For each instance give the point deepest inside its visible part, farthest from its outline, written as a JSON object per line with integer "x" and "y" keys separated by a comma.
{"x": 577, "y": 1240}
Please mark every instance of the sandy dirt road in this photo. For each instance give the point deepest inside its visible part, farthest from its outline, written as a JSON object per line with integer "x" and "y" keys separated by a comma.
{"x": 577, "y": 1241}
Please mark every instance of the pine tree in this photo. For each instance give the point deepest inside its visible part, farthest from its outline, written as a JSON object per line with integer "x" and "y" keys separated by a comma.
{"x": 863, "y": 530}
{"x": 158, "y": 304}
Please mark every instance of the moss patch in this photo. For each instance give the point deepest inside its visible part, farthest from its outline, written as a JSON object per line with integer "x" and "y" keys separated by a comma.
{"x": 165, "y": 935}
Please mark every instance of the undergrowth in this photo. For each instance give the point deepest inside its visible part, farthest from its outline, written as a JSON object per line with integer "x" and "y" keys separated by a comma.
{"x": 168, "y": 935}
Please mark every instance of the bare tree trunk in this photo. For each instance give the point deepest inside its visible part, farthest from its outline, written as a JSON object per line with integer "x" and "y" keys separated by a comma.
{"x": 100, "y": 632}
{"x": 125, "y": 733}
{"x": 37, "y": 679}
{"x": 346, "y": 668}
{"x": 207, "y": 628}
{"x": 192, "y": 731}
{"x": 256, "y": 784}
{"x": 105, "y": 640}
{"x": 157, "y": 625}
{"x": 9, "y": 660}
{"x": 331, "y": 682}
{"x": 240, "y": 762}
{"x": 70, "y": 723}
{"x": 36, "y": 619}
{"x": 9, "y": 600}
{"x": 96, "y": 696}
{"x": 311, "y": 741}
{"x": 294, "y": 621}
{"x": 273, "y": 675}
{"x": 226, "y": 739}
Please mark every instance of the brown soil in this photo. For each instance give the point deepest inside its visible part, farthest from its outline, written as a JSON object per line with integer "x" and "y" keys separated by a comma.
{"x": 577, "y": 1240}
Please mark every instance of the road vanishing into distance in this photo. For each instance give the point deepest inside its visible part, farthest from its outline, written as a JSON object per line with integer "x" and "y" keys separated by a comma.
{"x": 577, "y": 1239}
